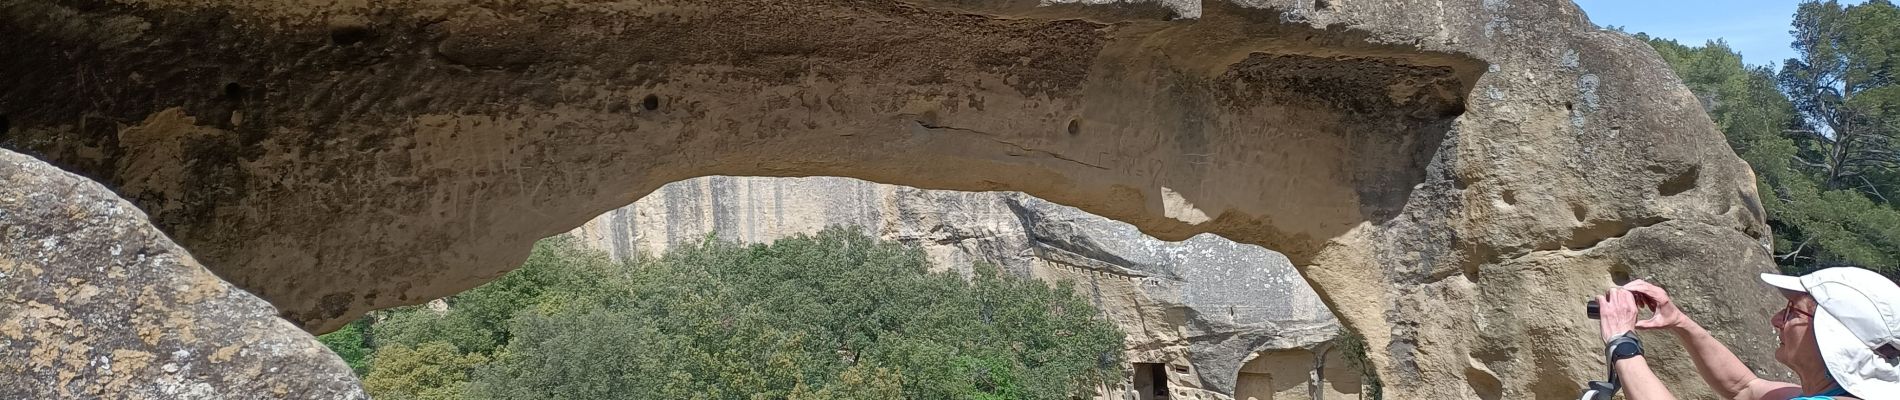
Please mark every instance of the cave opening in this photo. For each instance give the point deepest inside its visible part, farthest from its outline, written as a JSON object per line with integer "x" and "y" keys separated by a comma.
{"x": 1151, "y": 381}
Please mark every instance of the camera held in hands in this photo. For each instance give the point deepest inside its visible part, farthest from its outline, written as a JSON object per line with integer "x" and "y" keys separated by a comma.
{"x": 1592, "y": 309}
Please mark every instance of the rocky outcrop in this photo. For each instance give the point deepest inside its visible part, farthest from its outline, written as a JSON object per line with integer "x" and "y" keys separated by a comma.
{"x": 1204, "y": 306}
{"x": 1453, "y": 177}
{"x": 99, "y": 304}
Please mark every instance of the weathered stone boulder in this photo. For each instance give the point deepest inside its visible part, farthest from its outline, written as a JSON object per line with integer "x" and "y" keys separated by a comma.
{"x": 1453, "y": 177}
{"x": 98, "y": 304}
{"x": 1204, "y": 306}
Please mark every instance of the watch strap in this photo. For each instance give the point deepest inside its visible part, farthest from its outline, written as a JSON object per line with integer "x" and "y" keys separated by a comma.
{"x": 1626, "y": 340}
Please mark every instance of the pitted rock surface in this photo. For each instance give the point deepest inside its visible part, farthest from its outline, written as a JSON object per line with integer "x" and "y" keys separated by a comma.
{"x": 101, "y": 305}
{"x": 1453, "y": 177}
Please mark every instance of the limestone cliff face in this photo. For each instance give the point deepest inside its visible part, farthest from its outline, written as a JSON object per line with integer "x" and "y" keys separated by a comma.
{"x": 1454, "y": 177}
{"x": 1205, "y": 305}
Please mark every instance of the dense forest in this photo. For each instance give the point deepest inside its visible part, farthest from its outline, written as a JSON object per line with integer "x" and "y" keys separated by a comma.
{"x": 836, "y": 315}
{"x": 1822, "y": 131}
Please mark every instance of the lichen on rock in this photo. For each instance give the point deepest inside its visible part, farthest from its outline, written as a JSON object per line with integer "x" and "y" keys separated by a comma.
{"x": 101, "y": 305}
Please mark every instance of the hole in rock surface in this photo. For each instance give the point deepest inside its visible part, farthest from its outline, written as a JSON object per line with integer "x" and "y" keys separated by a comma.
{"x": 1680, "y": 182}
{"x": 1485, "y": 383}
{"x": 1620, "y": 275}
{"x": 234, "y": 91}
{"x": 348, "y": 34}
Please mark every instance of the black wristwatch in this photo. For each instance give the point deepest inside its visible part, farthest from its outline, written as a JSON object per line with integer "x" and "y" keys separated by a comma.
{"x": 1622, "y": 347}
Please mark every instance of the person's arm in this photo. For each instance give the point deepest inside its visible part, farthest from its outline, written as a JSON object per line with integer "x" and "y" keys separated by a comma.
{"x": 1617, "y": 312}
{"x": 1639, "y": 383}
{"x": 1713, "y": 361}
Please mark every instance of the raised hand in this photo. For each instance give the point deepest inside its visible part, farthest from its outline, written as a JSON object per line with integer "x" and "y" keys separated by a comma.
{"x": 1617, "y": 311}
{"x": 1666, "y": 316}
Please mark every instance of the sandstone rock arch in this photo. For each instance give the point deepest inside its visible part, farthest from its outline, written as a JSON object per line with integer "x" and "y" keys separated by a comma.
{"x": 1452, "y": 176}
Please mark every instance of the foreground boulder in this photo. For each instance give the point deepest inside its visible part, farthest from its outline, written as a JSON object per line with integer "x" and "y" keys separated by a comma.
{"x": 1453, "y": 177}
{"x": 98, "y": 304}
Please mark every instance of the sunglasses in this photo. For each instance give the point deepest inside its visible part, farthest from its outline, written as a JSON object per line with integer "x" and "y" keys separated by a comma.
{"x": 1788, "y": 312}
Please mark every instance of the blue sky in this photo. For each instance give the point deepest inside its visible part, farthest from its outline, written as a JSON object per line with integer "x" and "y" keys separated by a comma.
{"x": 1758, "y": 29}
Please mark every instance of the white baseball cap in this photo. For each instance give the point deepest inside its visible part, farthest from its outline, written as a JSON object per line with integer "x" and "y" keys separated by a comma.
{"x": 1859, "y": 313}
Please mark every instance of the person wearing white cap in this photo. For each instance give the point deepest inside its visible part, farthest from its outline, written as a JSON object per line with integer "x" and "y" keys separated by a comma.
{"x": 1840, "y": 334}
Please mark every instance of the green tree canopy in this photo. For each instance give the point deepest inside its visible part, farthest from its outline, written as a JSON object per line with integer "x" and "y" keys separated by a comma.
{"x": 837, "y": 315}
{"x": 1843, "y": 85}
{"x": 432, "y": 371}
{"x": 722, "y": 320}
{"x": 1825, "y": 170}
